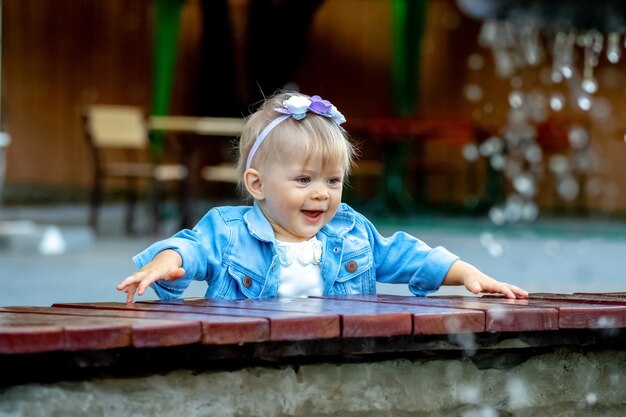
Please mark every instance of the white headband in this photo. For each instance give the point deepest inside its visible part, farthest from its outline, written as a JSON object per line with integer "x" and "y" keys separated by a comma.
{"x": 297, "y": 107}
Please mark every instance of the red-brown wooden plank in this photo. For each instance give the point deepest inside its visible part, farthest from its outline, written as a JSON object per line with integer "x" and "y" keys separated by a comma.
{"x": 20, "y": 335}
{"x": 159, "y": 333}
{"x": 362, "y": 319}
{"x": 599, "y": 298}
{"x": 215, "y": 329}
{"x": 82, "y": 332}
{"x": 621, "y": 295}
{"x": 73, "y": 333}
{"x": 366, "y": 322}
{"x": 574, "y": 314}
{"x": 283, "y": 325}
{"x": 590, "y": 317}
{"x": 498, "y": 318}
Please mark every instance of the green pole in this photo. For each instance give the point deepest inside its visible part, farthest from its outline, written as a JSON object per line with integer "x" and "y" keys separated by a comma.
{"x": 408, "y": 22}
{"x": 167, "y": 29}
{"x": 408, "y": 26}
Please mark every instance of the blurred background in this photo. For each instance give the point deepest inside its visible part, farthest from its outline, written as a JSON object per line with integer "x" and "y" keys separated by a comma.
{"x": 495, "y": 128}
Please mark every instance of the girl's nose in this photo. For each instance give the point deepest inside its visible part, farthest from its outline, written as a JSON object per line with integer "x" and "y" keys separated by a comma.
{"x": 320, "y": 193}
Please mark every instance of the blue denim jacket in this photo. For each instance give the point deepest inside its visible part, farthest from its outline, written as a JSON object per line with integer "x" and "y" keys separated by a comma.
{"x": 233, "y": 250}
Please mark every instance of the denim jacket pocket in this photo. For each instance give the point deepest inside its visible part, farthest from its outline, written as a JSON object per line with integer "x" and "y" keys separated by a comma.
{"x": 248, "y": 285}
{"x": 356, "y": 274}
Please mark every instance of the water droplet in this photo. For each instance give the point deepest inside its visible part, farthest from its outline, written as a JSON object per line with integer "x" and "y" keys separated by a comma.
{"x": 578, "y": 137}
{"x": 556, "y": 77}
{"x": 557, "y": 102}
{"x": 613, "y": 50}
{"x": 613, "y": 56}
{"x": 606, "y": 322}
{"x": 533, "y": 154}
{"x": 590, "y": 85}
{"x": 504, "y": 63}
{"x": 584, "y": 102}
{"x": 493, "y": 247}
{"x": 470, "y": 152}
{"x": 559, "y": 164}
{"x": 475, "y": 62}
{"x": 52, "y": 242}
{"x": 516, "y": 99}
{"x": 485, "y": 411}
{"x": 468, "y": 394}
{"x": 498, "y": 312}
{"x": 530, "y": 211}
{"x": 517, "y": 392}
{"x": 567, "y": 72}
{"x": 488, "y": 32}
{"x": 591, "y": 398}
{"x": 497, "y": 162}
{"x": 525, "y": 185}
{"x": 491, "y": 146}
{"x": 568, "y": 188}
{"x": 513, "y": 209}
{"x": 496, "y": 215}
{"x": 473, "y": 92}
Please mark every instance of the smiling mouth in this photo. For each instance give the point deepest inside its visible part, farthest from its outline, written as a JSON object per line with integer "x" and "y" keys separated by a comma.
{"x": 312, "y": 215}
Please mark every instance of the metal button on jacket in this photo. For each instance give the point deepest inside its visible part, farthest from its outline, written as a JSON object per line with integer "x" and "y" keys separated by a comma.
{"x": 247, "y": 281}
{"x": 352, "y": 266}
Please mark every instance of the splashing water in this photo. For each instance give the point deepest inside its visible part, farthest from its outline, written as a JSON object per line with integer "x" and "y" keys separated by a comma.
{"x": 525, "y": 38}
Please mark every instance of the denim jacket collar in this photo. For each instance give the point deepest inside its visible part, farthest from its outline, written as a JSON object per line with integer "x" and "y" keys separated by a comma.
{"x": 341, "y": 224}
{"x": 258, "y": 225}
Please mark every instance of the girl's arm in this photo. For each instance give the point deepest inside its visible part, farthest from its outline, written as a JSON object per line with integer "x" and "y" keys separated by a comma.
{"x": 462, "y": 273}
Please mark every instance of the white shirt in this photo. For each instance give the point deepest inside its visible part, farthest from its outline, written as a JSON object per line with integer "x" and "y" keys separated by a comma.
{"x": 300, "y": 272}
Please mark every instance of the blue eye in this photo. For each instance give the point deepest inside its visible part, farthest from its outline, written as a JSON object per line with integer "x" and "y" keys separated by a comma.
{"x": 303, "y": 180}
{"x": 334, "y": 181}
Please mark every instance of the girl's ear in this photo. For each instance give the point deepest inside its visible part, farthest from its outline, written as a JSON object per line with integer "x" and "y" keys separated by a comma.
{"x": 253, "y": 183}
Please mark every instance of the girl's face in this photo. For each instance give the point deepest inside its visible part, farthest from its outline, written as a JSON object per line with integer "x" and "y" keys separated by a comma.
{"x": 300, "y": 197}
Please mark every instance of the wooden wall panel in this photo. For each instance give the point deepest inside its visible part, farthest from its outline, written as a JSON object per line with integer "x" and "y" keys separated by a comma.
{"x": 57, "y": 57}
{"x": 60, "y": 55}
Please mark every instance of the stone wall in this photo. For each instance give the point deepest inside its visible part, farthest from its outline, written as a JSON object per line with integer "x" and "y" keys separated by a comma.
{"x": 562, "y": 382}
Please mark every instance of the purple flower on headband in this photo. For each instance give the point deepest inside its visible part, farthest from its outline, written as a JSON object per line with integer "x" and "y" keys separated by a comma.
{"x": 297, "y": 107}
{"x": 320, "y": 106}
{"x": 325, "y": 108}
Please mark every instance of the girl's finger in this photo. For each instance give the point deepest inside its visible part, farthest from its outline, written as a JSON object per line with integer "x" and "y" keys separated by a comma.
{"x": 130, "y": 293}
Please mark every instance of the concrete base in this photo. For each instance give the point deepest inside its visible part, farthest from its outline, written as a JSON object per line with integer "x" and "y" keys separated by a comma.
{"x": 563, "y": 382}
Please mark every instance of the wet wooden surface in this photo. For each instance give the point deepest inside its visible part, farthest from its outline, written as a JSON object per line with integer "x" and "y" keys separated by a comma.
{"x": 109, "y": 325}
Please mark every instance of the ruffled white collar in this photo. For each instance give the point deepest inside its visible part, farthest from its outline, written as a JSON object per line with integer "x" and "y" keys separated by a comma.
{"x": 308, "y": 252}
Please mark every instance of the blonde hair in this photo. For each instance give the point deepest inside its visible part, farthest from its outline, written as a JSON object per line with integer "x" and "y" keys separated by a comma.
{"x": 312, "y": 134}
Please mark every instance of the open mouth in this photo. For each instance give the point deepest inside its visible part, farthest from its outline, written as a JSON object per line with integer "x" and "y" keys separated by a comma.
{"x": 312, "y": 215}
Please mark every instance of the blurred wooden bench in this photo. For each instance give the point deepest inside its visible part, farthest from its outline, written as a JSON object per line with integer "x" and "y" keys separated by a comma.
{"x": 400, "y": 160}
{"x": 188, "y": 129}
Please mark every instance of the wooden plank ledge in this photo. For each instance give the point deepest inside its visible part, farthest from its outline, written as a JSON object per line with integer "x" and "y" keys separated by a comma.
{"x": 202, "y": 331}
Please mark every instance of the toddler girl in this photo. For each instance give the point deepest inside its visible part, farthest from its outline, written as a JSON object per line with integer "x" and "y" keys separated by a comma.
{"x": 297, "y": 239}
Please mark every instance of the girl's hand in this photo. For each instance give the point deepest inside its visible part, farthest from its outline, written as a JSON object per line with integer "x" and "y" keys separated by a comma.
{"x": 483, "y": 283}
{"x": 165, "y": 266}
{"x": 462, "y": 273}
